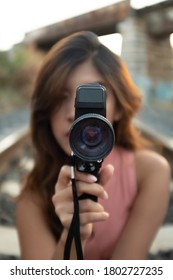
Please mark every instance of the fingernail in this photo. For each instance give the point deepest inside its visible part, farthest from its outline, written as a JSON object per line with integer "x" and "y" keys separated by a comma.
{"x": 92, "y": 178}
{"x": 106, "y": 214}
{"x": 105, "y": 195}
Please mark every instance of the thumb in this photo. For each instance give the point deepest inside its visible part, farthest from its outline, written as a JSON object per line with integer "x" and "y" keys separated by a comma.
{"x": 105, "y": 174}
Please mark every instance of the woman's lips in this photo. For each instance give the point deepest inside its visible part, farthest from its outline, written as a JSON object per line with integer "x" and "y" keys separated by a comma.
{"x": 67, "y": 134}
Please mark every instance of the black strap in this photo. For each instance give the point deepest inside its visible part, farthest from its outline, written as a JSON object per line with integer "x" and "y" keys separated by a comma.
{"x": 74, "y": 230}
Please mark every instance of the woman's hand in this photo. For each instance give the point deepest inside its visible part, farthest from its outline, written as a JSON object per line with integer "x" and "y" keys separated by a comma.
{"x": 90, "y": 211}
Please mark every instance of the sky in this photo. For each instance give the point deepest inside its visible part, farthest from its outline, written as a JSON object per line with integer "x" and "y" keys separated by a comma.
{"x": 17, "y": 17}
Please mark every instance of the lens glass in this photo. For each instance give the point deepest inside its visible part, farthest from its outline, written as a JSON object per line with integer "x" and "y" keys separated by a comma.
{"x": 91, "y": 137}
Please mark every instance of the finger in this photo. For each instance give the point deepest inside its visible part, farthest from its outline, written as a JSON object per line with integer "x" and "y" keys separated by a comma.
{"x": 93, "y": 189}
{"x": 86, "y": 231}
{"x": 92, "y": 217}
{"x": 66, "y": 220}
{"x": 64, "y": 208}
{"x": 64, "y": 178}
{"x": 85, "y": 177}
{"x": 105, "y": 174}
{"x": 88, "y": 205}
{"x": 62, "y": 195}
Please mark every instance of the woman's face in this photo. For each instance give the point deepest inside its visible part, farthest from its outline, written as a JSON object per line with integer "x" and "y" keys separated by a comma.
{"x": 63, "y": 117}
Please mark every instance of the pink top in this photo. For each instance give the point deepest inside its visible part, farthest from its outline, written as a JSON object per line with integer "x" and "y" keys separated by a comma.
{"x": 122, "y": 189}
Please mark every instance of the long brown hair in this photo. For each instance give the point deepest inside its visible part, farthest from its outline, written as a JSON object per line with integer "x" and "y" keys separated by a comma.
{"x": 57, "y": 66}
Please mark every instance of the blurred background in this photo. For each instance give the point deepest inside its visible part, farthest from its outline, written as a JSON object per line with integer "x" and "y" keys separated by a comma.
{"x": 141, "y": 32}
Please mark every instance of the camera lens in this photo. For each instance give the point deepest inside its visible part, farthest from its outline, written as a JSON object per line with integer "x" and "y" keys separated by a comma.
{"x": 91, "y": 137}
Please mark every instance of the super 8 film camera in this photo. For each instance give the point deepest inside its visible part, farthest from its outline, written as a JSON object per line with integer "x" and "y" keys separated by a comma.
{"x": 91, "y": 135}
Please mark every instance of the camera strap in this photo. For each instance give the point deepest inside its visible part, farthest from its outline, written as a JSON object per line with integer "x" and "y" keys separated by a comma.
{"x": 74, "y": 230}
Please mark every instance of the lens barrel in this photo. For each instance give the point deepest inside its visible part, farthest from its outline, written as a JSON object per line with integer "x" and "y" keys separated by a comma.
{"x": 91, "y": 137}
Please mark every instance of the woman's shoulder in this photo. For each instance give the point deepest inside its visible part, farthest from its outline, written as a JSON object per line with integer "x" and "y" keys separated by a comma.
{"x": 28, "y": 200}
{"x": 150, "y": 159}
{"x": 150, "y": 164}
{"x": 28, "y": 206}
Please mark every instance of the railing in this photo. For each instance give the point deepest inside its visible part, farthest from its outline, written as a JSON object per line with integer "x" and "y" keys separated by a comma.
{"x": 12, "y": 145}
{"x": 14, "y": 134}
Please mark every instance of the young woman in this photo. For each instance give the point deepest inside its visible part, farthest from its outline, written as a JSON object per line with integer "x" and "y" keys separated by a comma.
{"x": 133, "y": 187}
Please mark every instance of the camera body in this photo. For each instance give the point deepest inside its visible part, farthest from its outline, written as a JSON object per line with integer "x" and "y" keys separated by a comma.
{"x": 91, "y": 135}
{"x": 90, "y": 98}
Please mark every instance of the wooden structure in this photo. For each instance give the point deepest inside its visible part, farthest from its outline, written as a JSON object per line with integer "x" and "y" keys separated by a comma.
{"x": 102, "y": 21}
{"x": 158, "y": 18}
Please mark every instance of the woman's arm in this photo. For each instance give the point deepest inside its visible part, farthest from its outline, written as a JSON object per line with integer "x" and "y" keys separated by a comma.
{"x": 36, "y": 240}
{"x": 149, "y": 209}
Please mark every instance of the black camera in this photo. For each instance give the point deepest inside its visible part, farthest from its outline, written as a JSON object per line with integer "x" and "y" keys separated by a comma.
{"x": 91, "y": 135}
